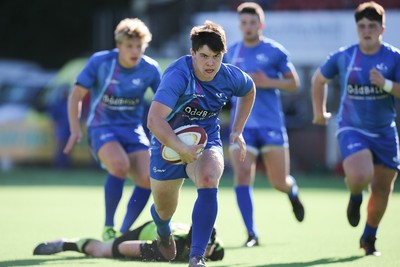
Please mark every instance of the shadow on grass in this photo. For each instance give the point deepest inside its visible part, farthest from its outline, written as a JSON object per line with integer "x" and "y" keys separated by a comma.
{"x": 38, "y": 261}
{"x": 80, "y": 260}
{"x": 324, "y": 261}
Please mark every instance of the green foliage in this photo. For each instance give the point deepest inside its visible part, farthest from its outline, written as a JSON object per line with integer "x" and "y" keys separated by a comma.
{"x": 38, "y": 205}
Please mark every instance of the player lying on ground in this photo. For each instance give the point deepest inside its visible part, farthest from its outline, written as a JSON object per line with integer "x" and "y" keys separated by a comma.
{"x": 139, "y": 244}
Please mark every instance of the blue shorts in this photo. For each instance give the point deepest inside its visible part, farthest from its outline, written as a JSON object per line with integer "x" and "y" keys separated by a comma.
{"x": 384, "y": 145}
{"x": 131, "y": 137}
{"x": 258, "y": 139}
{"x": 162, "y": 170}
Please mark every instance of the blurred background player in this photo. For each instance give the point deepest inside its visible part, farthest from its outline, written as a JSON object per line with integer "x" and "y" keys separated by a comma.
{"x": 58, "y": 111}
{"x": 117, "y": 81}
{"x": 139, "y": 244}
{"x": 193, "y": 90}
{"x": 267, "y": 62}
{"x": 369, "y": 74}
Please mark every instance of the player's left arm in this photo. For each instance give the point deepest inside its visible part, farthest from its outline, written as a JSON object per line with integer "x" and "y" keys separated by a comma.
{"x": 243, "y": 109}
{"x": 290, "y": 80}
{"x": 389, "y": 86}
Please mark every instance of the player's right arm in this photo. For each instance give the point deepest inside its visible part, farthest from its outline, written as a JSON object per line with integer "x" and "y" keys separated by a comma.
{"x": 74, "y": 114}
{"x": 157, "y": 124}
{"x": 319, "y": 95}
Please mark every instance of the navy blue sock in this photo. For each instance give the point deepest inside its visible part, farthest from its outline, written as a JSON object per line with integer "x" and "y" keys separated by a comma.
{"x": 295, "y": 189}
{"x": 244, "y": 197}
{"x": 203, "y": 219}
{"x": 136, "y": 204}
{"x": 356, "y": 198}
{"x": 113, "y": 188}
{"x": 369, "y": 231}
{"x": 163, "y": 227}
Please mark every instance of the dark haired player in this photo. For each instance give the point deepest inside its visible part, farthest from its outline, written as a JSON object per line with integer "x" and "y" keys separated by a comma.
{"x": 193, "y": 90}
{"x": 268, "y": 63}
{"x": 369, "y": 74}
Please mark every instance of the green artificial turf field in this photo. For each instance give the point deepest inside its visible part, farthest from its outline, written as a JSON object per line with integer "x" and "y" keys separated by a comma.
{"x": 43, "y": 204}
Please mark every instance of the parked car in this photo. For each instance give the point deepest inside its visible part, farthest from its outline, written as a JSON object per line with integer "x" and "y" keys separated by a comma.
{"x": 28, "y": 129}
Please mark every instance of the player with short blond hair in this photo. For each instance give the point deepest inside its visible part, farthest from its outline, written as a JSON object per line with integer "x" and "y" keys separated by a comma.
{"x": 132, "y": 28}
{"x": 117, "y": 81}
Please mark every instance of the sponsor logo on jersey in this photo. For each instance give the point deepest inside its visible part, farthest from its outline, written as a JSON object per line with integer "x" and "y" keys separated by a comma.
{"x": 354, "y": 68}
{"x": 382, "y": 67}
{"x": 158, "y": 170}
{"x": 262, "y": 57}
{"x": 196, "y": 113}
{"x": 114, "y": 81}
{"x": 120, "y": 101}
{"x": 106, "y": 135}
{"x": 197, "y": 95}
{"x": 136, "y": 81}
{"x": 363, "y": 90}
{"x": 221, "y": 95}
{"x": 353, "y": 145}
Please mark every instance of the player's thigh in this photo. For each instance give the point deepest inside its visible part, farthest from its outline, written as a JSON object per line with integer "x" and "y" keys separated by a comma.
{"x": 206, "y": 171}
{"x": 166, "y": 195}
{"x": 114, "y": 158}
{"x": 359, "y": 167}
{"x": 99, "y": 249}
{"x": 139, "y": 165}
{"x": 130, "y": 248}
{"x": 244, "y": 171}
{"x": 276, "y": 161}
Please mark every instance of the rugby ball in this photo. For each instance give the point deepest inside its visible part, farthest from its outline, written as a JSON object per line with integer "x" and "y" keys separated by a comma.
{"x": 190, "y": 135}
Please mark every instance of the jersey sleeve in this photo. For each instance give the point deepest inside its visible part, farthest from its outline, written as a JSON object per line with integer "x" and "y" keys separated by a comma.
{"x": 157, "y": 78}
{"x": 87, "y": 77}
{"x": 397, "y": 68}
{"x": 285, "y": 65}
{"x": 329, "y": 68}
{"x": 172, "y": 86}
{"x": 243, "y": 82}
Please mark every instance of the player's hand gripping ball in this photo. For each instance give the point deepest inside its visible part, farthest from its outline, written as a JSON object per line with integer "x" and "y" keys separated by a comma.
{"x": 190, "y": 135}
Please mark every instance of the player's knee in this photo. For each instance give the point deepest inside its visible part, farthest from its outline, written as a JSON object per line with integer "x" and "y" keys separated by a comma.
{"x": 144, "y": 183}
{"x": 357, "y": 180}
{"x": 142, "y": 180}
{"x": 207, "y": 181}
{"x": 243, "y": 175}
{"x": 119, "y": 168}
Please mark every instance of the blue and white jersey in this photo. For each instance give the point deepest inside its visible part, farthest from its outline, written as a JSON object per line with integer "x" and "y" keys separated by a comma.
{"x": 197, "y": 102}
{"x": 117, "y": 93}
{"x": 272, "y": 59}
{"x": 363, "y": 105}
